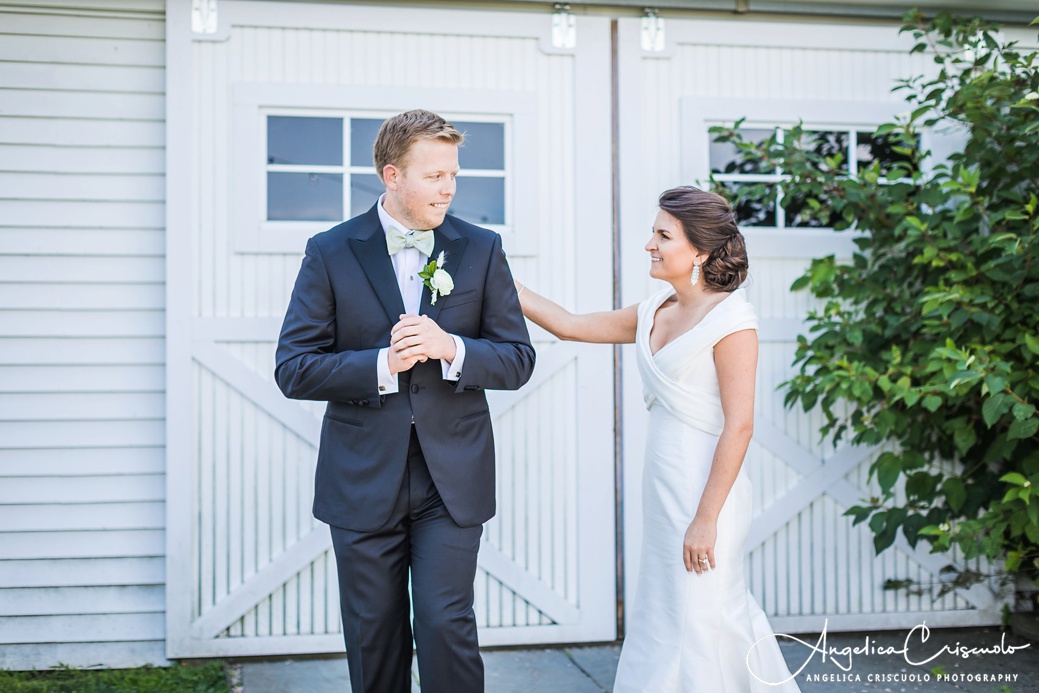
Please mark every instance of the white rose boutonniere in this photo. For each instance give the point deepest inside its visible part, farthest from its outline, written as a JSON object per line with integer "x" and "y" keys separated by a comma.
{"x": 436, "y": 278}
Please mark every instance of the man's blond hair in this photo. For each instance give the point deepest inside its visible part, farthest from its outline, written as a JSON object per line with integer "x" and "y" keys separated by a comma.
{"x": 399, "y": 133}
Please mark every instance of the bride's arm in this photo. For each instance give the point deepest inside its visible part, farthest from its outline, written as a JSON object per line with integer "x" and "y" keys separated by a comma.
{"x": 736, "y": 358}
{"x": 606, "y": 327}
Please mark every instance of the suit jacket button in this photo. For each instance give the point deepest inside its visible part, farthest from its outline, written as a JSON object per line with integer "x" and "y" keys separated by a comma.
{"x": 364, "y": 403}
{"x": 414, "y": 389}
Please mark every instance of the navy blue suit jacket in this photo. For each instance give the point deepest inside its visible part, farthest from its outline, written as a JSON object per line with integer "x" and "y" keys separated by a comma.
{"x": 343, "y": 306}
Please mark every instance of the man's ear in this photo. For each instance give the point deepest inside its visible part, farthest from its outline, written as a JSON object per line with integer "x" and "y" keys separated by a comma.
{"x": 390, "y": 176}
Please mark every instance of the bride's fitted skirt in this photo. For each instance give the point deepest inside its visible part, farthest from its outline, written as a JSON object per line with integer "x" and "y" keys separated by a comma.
{"x": 691, "y": 633}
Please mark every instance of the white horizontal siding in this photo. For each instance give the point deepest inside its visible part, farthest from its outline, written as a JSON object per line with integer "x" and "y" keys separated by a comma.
{"x": 44, "y": 517}
{"x": 68, "y": 628}
{"x": 40, "y": 601}
{"x": 50, "y": 378}
{"x": 118, "y": 655}
{"x": 101, "y": 489}
{"x": 83, "y": 544}
{"x": 66, "y": 132}
{"x": 70, "y": 435}
{"x": 35, "y": 158}
{"x": 82, "y": 334}
{"x": 76, "y": 572}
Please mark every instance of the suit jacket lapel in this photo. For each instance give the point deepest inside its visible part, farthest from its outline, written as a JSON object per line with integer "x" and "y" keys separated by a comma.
{"x": 447, "y": 240}
{"x": 369, "y": 246}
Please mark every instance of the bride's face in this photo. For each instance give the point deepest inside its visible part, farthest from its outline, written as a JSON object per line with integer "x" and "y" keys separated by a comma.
{"x": 671, "y": 255}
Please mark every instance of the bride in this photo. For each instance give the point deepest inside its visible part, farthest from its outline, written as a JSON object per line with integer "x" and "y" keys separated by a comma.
{"x": 694, "y": 625}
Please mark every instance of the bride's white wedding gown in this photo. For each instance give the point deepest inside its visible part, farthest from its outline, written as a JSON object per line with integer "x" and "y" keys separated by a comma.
{"x": 689, "y": 633}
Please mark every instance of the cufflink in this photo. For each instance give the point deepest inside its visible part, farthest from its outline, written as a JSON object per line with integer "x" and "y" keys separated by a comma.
{"x": 458, "y": 375}
{"x": 382, "y": 388}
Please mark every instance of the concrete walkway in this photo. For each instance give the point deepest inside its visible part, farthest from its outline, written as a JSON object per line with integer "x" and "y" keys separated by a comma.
{"x": 591, "y": 669}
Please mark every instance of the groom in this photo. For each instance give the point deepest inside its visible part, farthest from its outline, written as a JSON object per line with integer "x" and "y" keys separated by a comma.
{"x": 405, "y": 469}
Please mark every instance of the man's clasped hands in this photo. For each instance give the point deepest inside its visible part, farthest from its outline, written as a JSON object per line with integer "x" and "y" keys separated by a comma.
{"x": 416, "y": 338}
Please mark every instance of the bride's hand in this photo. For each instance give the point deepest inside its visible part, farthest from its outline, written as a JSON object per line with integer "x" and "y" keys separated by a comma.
{"x": 699, "y": 542}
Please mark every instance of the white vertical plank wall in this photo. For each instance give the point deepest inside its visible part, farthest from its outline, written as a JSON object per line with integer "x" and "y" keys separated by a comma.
{"x": 251, "y": 572}
{"x": 81, "y": 334}
{"x": 806, "y": 563}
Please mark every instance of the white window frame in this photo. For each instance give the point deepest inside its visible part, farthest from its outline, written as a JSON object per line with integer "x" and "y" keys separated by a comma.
{"x": 254, "y": 233}
{"x": 699, "y": 115}
{"x": 779, "y": 178}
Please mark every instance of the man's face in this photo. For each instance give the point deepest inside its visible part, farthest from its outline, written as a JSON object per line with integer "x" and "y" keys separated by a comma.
{"x": 419, "y": 192}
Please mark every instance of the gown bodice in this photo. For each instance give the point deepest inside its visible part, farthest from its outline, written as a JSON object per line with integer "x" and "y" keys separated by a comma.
{"x": 681, "y": 376}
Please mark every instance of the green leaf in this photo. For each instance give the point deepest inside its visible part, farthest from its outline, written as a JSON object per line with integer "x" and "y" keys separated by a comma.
{"x": 1032, "y": 532}
{"x": 859, "y": 512}
{"x": 995, "y": 383}
{"x": 921, "y": 485}
{"x": 963, "y": 377}
{"x": 885, "y": 538}
{"x": 1032, "y": 342}
{"x": 955, "y": 493}
{"x": 1023, "y": 411}
{"x": 932, "y": 402}
{"x": 801, "y": 282}
{"x": 1013, "y": 561}
{"x": 1020, "y": 430}
{"x": 911, "y": 528}
{"x": 888, "y": 469}
{"x": 877, "y": 522}
{"x": 965, "y": 437}
{"x": 1014, "y": 478}
{"x": 993, "y": 409}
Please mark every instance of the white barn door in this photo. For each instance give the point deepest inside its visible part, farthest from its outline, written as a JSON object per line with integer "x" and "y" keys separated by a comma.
{"x": 806, "y": 563}
{"x": 249, "y": 570}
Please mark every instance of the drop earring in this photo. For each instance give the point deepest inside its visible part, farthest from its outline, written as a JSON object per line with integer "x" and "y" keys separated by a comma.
{"x": 696, "y": 274}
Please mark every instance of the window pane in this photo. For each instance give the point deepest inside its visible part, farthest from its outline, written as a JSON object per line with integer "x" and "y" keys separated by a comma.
{"x": 755, "y": 203}
{"x": 292, "y": 140}
{"x": 827, "y": 143}
{"x": 870, "y": 149}
{"x": 725, "y": 156}
{"x": 484, "y": 146}
{"x": 365, "y": 189}
{"x": 305, "y": 196}
{"x": 479, "y": 200}
{"x": 799, "y": 213}
{"x": 362, "y": 139}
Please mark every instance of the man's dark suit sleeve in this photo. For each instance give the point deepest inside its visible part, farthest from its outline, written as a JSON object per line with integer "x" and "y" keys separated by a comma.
{"x": 502, "y": 357}
{"x": 307, "y": 365}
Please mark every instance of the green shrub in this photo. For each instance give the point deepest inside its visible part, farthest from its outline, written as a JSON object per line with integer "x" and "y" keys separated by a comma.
{"x": 927, "y": 339}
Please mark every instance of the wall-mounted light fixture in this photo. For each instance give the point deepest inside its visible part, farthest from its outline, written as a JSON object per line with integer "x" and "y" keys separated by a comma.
{"x": 564, "y": 27}
{"x": 652, "y": 31}
{"x": 203, "y": 16}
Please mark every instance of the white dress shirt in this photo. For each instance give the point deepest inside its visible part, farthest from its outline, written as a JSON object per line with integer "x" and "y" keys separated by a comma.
{"x": 407, "y": 263}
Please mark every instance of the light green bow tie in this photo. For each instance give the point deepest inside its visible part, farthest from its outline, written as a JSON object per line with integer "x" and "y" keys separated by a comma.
{"x": 397, "y": 240}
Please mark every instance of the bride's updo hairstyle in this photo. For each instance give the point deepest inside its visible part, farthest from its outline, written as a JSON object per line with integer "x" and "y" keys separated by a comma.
{"x": 710, "y": 225}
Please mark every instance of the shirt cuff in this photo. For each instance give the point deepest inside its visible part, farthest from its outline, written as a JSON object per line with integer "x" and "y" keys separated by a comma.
{"x": 388, "y": 384}
{"x": 453, "y": 370}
